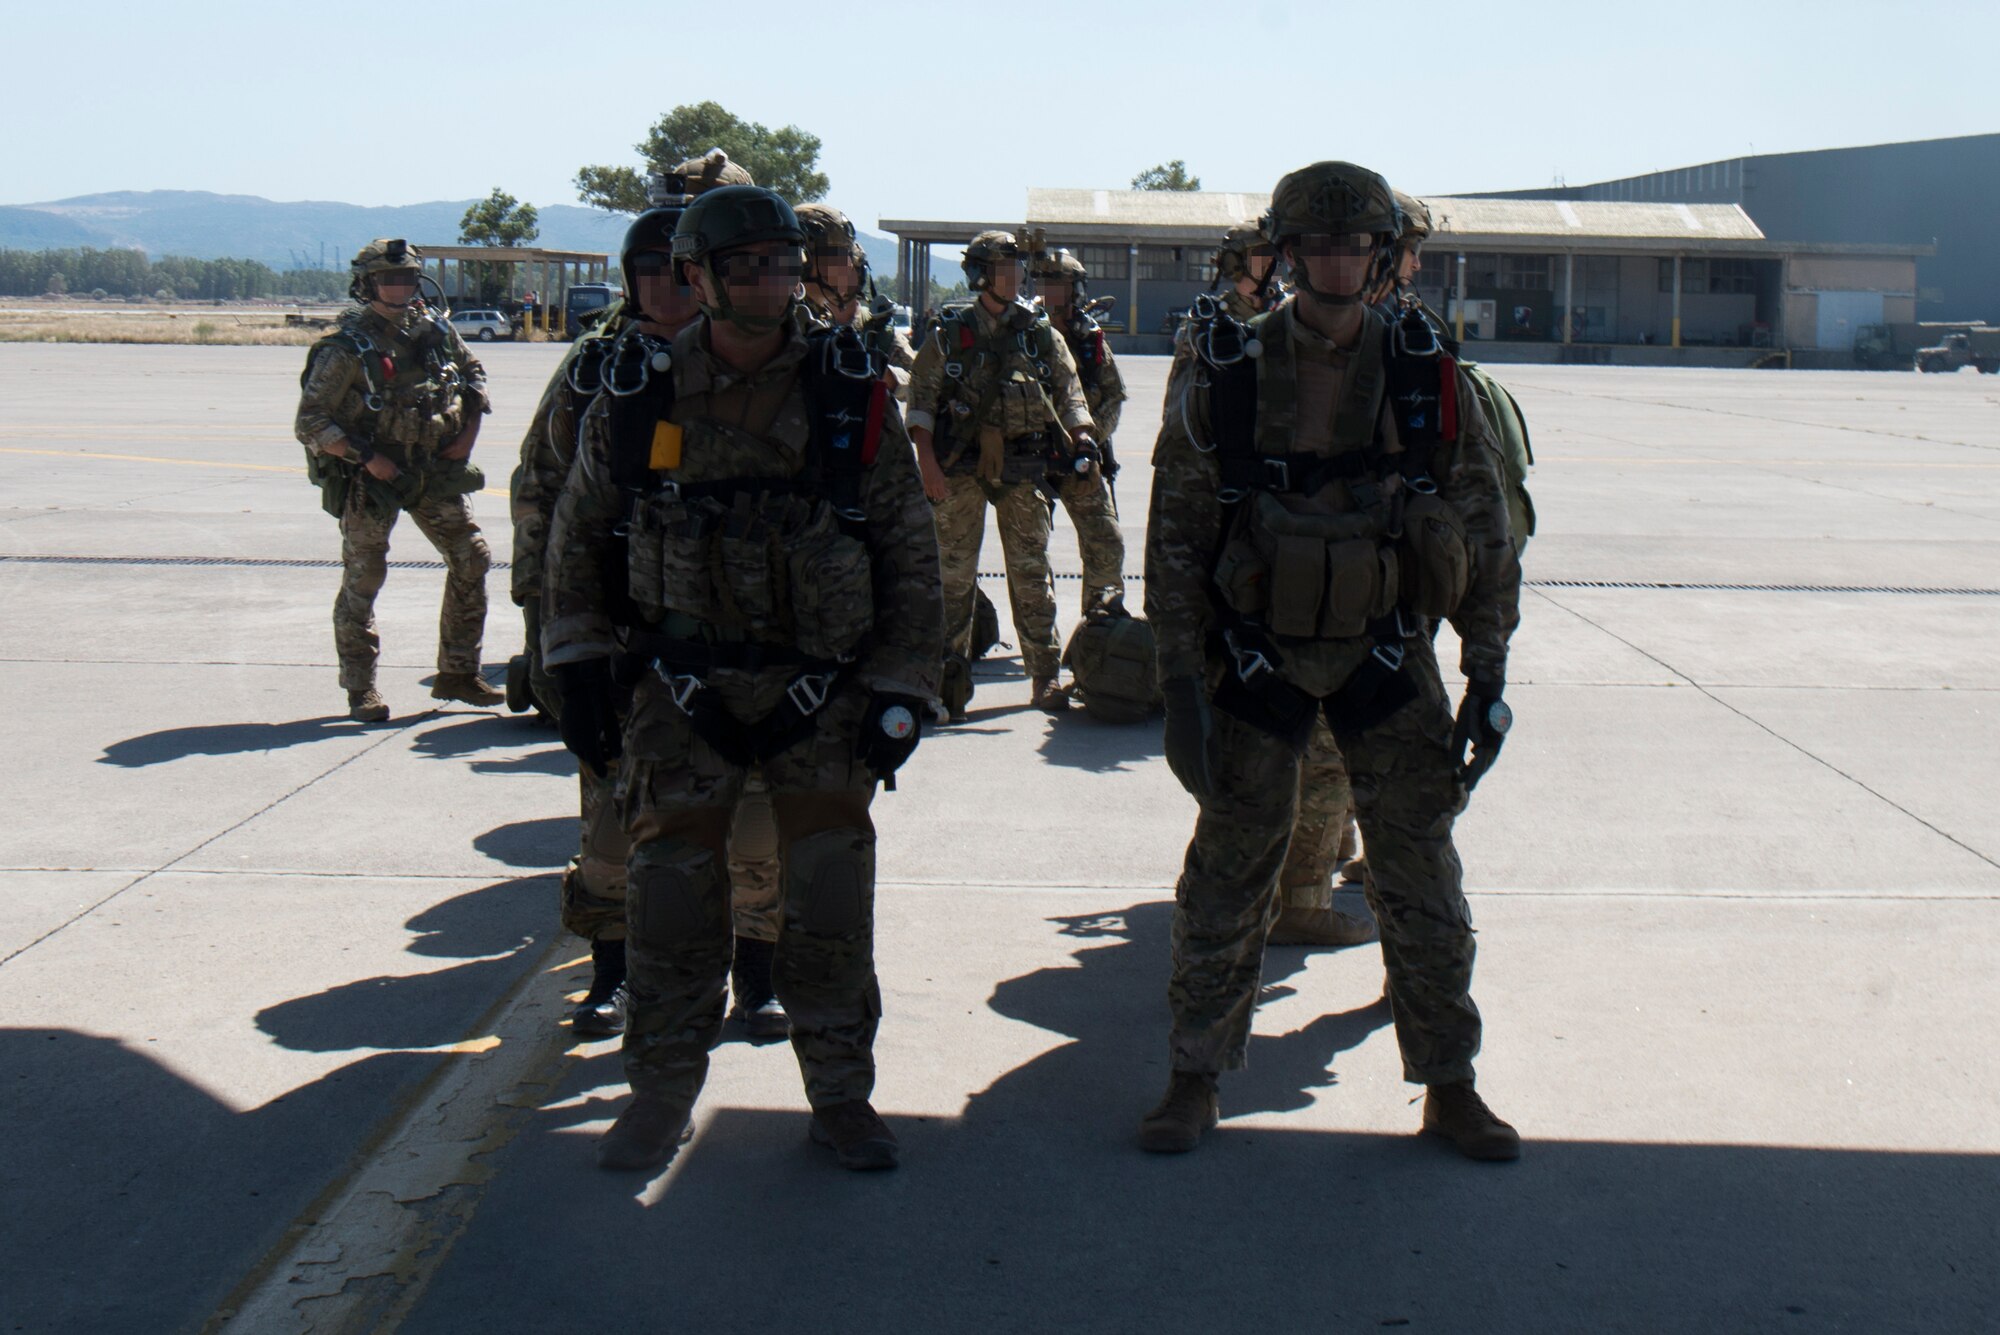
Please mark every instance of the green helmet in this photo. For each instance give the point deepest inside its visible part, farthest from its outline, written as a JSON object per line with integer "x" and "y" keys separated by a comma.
{"x": 1058, "y": 266}
{"x": 382, "y": 255}
{"x": 730, "y": 218}
{"x": 1232, "y": 257}
{"x": 1334, "y": 198}
{"x": 1416, "y": 218}
{"x": 711, "y": 171}
{"x": 983, "y": 252}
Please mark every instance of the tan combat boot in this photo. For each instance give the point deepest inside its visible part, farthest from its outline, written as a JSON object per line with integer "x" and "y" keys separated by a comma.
{"x": 1456, "y": 1113}
{"x": 1049, "y": 697}
{"x": 367, "y": 706}
{"x": 861, "y": 1140}
{"x": 646, "y": 1134}
{"x": 1188, "y": 1110}
{"x": 1320, "y": 927}
{"x": 468, "y": 687}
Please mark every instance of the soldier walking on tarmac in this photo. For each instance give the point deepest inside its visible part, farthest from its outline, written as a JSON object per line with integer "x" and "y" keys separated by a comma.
{"x": 995, "y": 407}
{"x": 1324, "y": 493}
{"x": 389, "y": 411}
{"x": 745, "y": 522}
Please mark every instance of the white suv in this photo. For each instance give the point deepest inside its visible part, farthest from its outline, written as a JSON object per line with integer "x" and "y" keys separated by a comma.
{"x": 482, "y": 325}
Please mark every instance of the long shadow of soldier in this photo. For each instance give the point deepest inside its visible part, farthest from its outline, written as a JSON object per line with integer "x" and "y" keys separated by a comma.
{"x": 482, "y": 732}
{"x": 1080, "y": 742}
{"x": 226, "y": 739}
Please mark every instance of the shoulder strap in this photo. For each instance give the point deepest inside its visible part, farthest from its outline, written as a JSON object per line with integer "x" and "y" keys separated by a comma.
{"x": 635, "y": 416}
{"x": 847, "y": 393}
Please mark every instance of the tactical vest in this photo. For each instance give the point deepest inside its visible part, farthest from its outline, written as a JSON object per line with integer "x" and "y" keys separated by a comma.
{"x": 995, "y": 416}
{"x": 1388, "y": 557}
{"x": 404, "y": 407}
{"x": 749, "y": 572}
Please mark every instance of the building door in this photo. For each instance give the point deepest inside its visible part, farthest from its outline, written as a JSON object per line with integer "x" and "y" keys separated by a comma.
{"x": 1841, "y": 315}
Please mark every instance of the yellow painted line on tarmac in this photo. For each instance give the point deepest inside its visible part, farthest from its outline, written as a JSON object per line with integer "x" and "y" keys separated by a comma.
{"x": 1547, "y": 459}
{"x": 180, "y": 463}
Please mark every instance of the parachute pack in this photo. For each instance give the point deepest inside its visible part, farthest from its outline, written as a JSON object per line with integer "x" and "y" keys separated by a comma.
{"x": 1113, "y": 660}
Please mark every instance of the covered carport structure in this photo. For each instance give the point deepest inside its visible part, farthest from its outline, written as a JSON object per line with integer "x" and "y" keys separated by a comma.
{"x": 549, "y": 273}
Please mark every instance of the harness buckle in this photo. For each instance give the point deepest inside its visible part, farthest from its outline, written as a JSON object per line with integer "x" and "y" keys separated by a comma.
{"x": 809, "y": 690}
{"x": 955, "y": 369}
{"x": 1423, "y": 486}
{"x": 1250, "y": 663}
{"x": 682, "y": 687}
{"x": 1277, "y": 474}
{"x": 1390, "y": 656}
{"x": 1399, "y": 339}
{"x": 847, "y": 355}
{"x": 372, "y": 402}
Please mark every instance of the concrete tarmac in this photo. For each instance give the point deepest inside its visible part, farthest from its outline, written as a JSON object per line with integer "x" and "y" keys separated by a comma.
{"x": 278, "y": 992}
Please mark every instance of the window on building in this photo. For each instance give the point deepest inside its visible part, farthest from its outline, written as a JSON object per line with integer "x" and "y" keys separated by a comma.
{"x": 1482, "y": 271}
{"x": 1106, "y": 263}
{"x": 1197, "y": 264}
{"x": 1694, "y": 276}
{"x": 1529, "y": 273}
{"x": 1737, "y": 278}
{"x": 1159, "y": 264}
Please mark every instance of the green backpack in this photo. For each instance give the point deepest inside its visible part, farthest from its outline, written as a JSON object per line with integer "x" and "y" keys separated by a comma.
{"x": 1517, "y": 454}
{"x": 1113, "y": 661}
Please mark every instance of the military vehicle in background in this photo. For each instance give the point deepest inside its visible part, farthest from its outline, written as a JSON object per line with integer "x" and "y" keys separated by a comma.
{"x": 583, "y": 304}
{"x": 1972, "y": 347}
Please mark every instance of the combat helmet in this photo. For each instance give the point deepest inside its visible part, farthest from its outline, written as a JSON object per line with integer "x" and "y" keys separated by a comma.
{"x": 727, "y": 219}
{"x": 1335, "y": 198}
{"x": 711, "y": 171}
{"x": 828, "y": 231}
{"x": 651, "y": 231}
{"x": 380, "y": 256}
{"x": 983, "y": 252}
{"x": 1416, "y": 219}
{"x": 1239, "y": 243}
{"x": 1059, "y": 266}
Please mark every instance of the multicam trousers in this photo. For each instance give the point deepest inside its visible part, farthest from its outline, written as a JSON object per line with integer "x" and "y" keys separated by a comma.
{"x": 364, "y": 558}
{"x": 1023, "y": 518}
{"x": 1407, "y": 792}
{"x": 679, "y": 801}
{"x": 1100, "y": 542}
{"x": 1326, "y": 808}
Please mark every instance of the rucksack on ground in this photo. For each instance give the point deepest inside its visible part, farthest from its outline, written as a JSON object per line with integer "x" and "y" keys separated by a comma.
{"x": 1112, "y": 660}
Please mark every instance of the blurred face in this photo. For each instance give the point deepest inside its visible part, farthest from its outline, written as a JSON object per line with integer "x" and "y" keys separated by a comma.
{"x": 1005, "y": 284}
{"x": 396, "y": 289}
{"x": 1056, "y": 292}
{"x": 836, "y": 270}
{"x": 760, "y": 279}
{"x": 1334, "y": 266}
{"x": 663, "y": 298}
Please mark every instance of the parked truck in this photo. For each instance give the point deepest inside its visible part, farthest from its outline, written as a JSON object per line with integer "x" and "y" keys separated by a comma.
{"x": 1974, "y": 347}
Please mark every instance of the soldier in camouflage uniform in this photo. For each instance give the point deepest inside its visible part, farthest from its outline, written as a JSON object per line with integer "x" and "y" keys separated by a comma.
{"x": 995, "y": 407}
{"x": 389, "y": 411}
{"x": 658, "y": 306}
{"x": 1087, "y": 497}
{"x": 837, "y": 276}
{"x": 1313, "y": 506}
{"x": 779, "y": 577}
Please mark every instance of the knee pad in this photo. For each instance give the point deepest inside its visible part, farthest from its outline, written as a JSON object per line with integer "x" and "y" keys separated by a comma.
{"x": 676, "y": 902}
{"x": 754, "y": 835}
{"x": 830, "y": 883}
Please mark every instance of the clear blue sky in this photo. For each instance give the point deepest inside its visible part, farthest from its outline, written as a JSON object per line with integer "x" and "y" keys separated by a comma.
{"x": 951, "y": 110}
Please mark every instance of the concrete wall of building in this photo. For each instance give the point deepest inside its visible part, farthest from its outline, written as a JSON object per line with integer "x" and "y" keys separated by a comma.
{"x": 1842, "y": 273}
{"x": 1801, "y": 319}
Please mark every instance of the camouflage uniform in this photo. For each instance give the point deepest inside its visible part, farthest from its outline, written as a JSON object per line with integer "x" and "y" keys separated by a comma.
{"x": 1087, "y": 499}
{"x": 962, "y": 413}
{"x": 1407, "y": 787}
{"x": 423, "y": 409}
{"x": 678, "y": 796}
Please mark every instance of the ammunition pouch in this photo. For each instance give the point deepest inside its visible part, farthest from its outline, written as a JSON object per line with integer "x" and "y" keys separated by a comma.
{"x": 763, "y": 566}
{"x": 454, "y": 477}
{"x": 1433, "y": 555}
{"x": 1306, "y": 576}
{"x": 334, "y": 478}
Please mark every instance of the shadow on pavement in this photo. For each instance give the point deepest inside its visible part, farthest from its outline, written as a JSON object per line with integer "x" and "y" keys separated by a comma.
{"x": 136, "y": 1199}
{"x": 1081, "y": 742}
{"x": 1034, "y": 1209}
{"x": 548, "y": 841}
{"x": 486, "y": 732}
{"x": 225, "y": 739}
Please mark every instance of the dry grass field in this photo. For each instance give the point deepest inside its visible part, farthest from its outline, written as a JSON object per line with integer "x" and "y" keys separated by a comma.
{"x": 92, "y": 322}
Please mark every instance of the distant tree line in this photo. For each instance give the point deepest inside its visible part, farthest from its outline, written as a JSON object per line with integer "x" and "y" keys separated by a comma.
{"x": 130, "y": 273}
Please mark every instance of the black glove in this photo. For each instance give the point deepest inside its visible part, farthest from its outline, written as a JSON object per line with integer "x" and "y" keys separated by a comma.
{"x": 890, "y": 731}
{"x": 1190, "y": 726}
{"x": 1482, "y": 724}
{"x": 589, "y": 720}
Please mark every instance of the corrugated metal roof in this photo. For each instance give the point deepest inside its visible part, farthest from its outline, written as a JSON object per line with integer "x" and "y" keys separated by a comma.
{"x": 1462, "y": 216}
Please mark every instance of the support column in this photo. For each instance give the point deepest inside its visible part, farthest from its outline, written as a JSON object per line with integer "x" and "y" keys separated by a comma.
{"x": 1677, "y": 301}
{"x": 1132, "y": 287}
{"x": 1458, "y": 332}
{"x": 1569, "y": 297}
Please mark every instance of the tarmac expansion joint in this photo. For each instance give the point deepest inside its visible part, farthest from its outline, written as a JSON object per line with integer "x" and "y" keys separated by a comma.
{"x": 360, "y": 1256}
